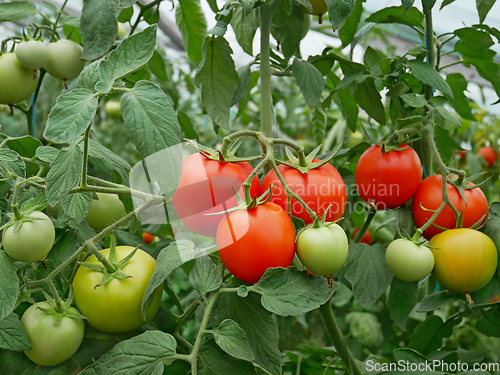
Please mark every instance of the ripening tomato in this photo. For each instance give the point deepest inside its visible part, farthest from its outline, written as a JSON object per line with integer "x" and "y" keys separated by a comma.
{"x": 105, "y": 211}
{"x": 430, "y": 196}
{"x": 320, "y": 188}
{"x": 408, "y": 261}
{"x": 388, "y": 180}
{"x": 206, "y": 187}
{"x": 465, "y": 259}
{"x": 17, "y": 83}
{"x": 250, "y": 242}
{"x": 319, "y": 7}
{"x": 489, "y": 155}
{"x": 149, "y": 238}
{"x": 367, "y": 237}
{"x": 32, "y": 54}
{"x": 64, "y": 60}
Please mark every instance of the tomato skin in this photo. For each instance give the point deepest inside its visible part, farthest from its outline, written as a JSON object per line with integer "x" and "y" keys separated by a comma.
{"x": 250, "y": 242}
{"x": 52, "y": 341}
{"x": 319, "y": 7}
{"x": 148, "y": 238}
{"x": 408, "y": 261}
{"x": 323, "y": 250}
{"x": 105, "y": 211}
{"x": 64, "y": 60}
{"x": 429, "y": 195}
{"x": 116, "y": 306}
{"x": 489, "y": 155}
{"x": 367, "y": 237}
{"x": 388, "y": 180}
{"x": 206, "y": 187}
{"x": 320, "y": 188}
{"x": 465, "y": 259}
{"x": 20, "y": 81}
{"x": 32, "y": 242}
{"x": 32, "y": 54}
{"x": 113, "y": 108}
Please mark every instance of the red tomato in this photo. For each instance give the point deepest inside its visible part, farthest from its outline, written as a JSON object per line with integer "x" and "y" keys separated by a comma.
{"x": 388, "y": 180}
{"x": 148, "y": 238}
{"x": 462, "y": 155}
{"x": 252, "y": 241}
{"x": 206, "y": 187}
{"x": 367, "y": 237}
{"x": 320, "y": 188}
{"x": 430, "y": 196}
{"x": 489, "y": 154}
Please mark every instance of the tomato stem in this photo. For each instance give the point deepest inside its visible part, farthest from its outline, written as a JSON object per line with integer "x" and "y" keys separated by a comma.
{"x": 57, "y": 298}
{"x": 83, "y": 182}
{"x": 364, "y": 228}
{"x": 429, "y": 222}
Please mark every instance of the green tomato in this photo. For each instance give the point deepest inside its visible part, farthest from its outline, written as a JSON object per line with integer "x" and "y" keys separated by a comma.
{"x": 17, "y": 83}
{"x": 323, "y": 250}
{"x": 32, "y": 242}
{"x": 116, "y": 306}
{"x": 32, "y": 54}
{"x": 105, "y": 211}
{"x": 53, "y": 338}
{"x": 319, "y": 7}
{"x": 408, "y": 261}
{"x": 355, "y": 138}
{"x": 113, "y": 108}
{"x": 121, "y": 33}
{"x": 64, "y": 60}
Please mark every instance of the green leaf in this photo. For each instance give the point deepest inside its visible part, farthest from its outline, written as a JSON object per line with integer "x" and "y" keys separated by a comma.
{"x": 407, "y": 4}
{"x": 125, "y": 14}
{"x": 414, "y": 100}
{"x": 245, "y": 75}
{"x": 146, "y": 353}
{"x": 429, "y": 76}
{"x": 339, "y": 10}
{"x": 193, "y": 27}
{"x": 483, "y": 8}
{"x": 232, "y": 339}
{"x": 460, "y": 103}
{"x": 428, "y": 335}
{"x": 489, "y": 324}
{"x": 427, "y": 5}
{"x": 47, "y": 153}
{"x": 445, "y": 3}
{"x": 448, "y": 116}
{"x": 98, "y": 151}
{"x": 369, "y": 99}
{"x": 187, "y": 126}
{"x": 410, "y": 355}
{"x": 365, "y": 328}
{"x": 492, "y": 226}
{"x": 168, "y": 260}
{"x": 157, "y": 66}
{"x": 258, "y": 324}
{"x": 130, "y": 55}
{"x": 436, "y": 300}
{"x": 13, "y": 335}
{"x": 205, "y": 276}
{"x": 10, "y": 160}
{"x": 218, "y": 79}
{"x": 89, "y": 77}
{"x": 412, "y": 17}
{"x": 9, "y": 285}
{"x": 445, "y": 143}
{"x": 216, "y": 362}
{"x": 244, "y": 27}
{"x": 98, "y": 26}
{"x": 71, "y": 115}
{"x": 309, "y": 79}
{"x": 17, "y": 11}
{"x": 77, "y": 205}
{"x": 149, "y": 115}
{"x": 25, "y": 146}
{"x": 248, "y": 5}
{"x": 288, "y": 29}
{"x": 350, "y": 26}
{"x": 288, "y": 291}
{"x": 346, "y": 103}
{"x": 318, "y": 123}
{"x": 127, "y": 3}
{"x": 64, "y": 173}
{"x": 402, "y": 299}
{"x": 367, "y": 271}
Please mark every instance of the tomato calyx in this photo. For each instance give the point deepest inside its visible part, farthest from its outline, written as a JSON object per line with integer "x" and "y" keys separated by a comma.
{"x": 62, "y": 310}
{"x": 17, "y": 222}
{"x": 222, "y": 157}
{"x": 242, "y": 205}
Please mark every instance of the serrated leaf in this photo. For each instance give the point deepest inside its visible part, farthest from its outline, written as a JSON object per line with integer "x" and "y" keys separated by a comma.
{"x": 245, "y": 26}
{"x": 448, "y": 116}
{"x": 350, "y": 26}
{"x": 98, "y": 27}
{"x": 436, "y": 300}
{"x": 64, "y": 173}
{"x": 428, "y": 335}
{"x": 309, "y": 79}
{"x": 289, "y": 292}
{"x": 217, "y": 362}
{"x": 218, "y": 79}
{"x": 71, "y": 115}
{"x": 205, "y": 276}
{"x": 130, "y": 55}
{"x": 232, "y": 339}
{"x": 9, "y": 285}
{"x": 339, "y": 10}
{"x": 412, "y": 17}
{"x": 414, "y": 100}
{"x": 77, "y": 205}
{"x": 13, "y": 335}
{"x": 149, "y": 115}
{"x": 24, "y": 146}
{"x": 146, "y": 353}
{"x": 402, "y": 299}
{"x": 288, "y": 28}
{"x": 192, "y": 24}
{"x": 369, "y": 99}
{"x": 157, "y": 66}
{"x": 47, "y": 153}
{"x": 429, "y": 76}
{"x": 367, "y": 271}
{"x": 89, "y": 77}
{"x": 445, "y": 143}
{"x": 98, "y": 151}
{"x": 460, "y": 103}
{"x": 17, "y": 11}
{"x": 10, "y": 160}
{"x": 187, "y": 126}
{"x": 483, "y": 8}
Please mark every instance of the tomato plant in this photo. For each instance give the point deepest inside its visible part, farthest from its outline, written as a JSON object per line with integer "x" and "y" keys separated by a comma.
{"x": 64, "y": 61}
{"x": 388, "y": 179}
{"x": 489, "y": 155}
{"x": 32, "y": 241}
{"x": 54, "y": 337}
{"x": 116, "y": 306}
{"x": 247, "y": 249}
{"x": 459, "y": 269}
{"x": 104, "y": 211}
{"x": 212, "y": 183}
{"x": 323, "y": 250}
{"x": 320, "y": 188}
{"x": 429, "y": 197}
{"x": 408, "y": 261}
{"x": 21, "y": 81}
